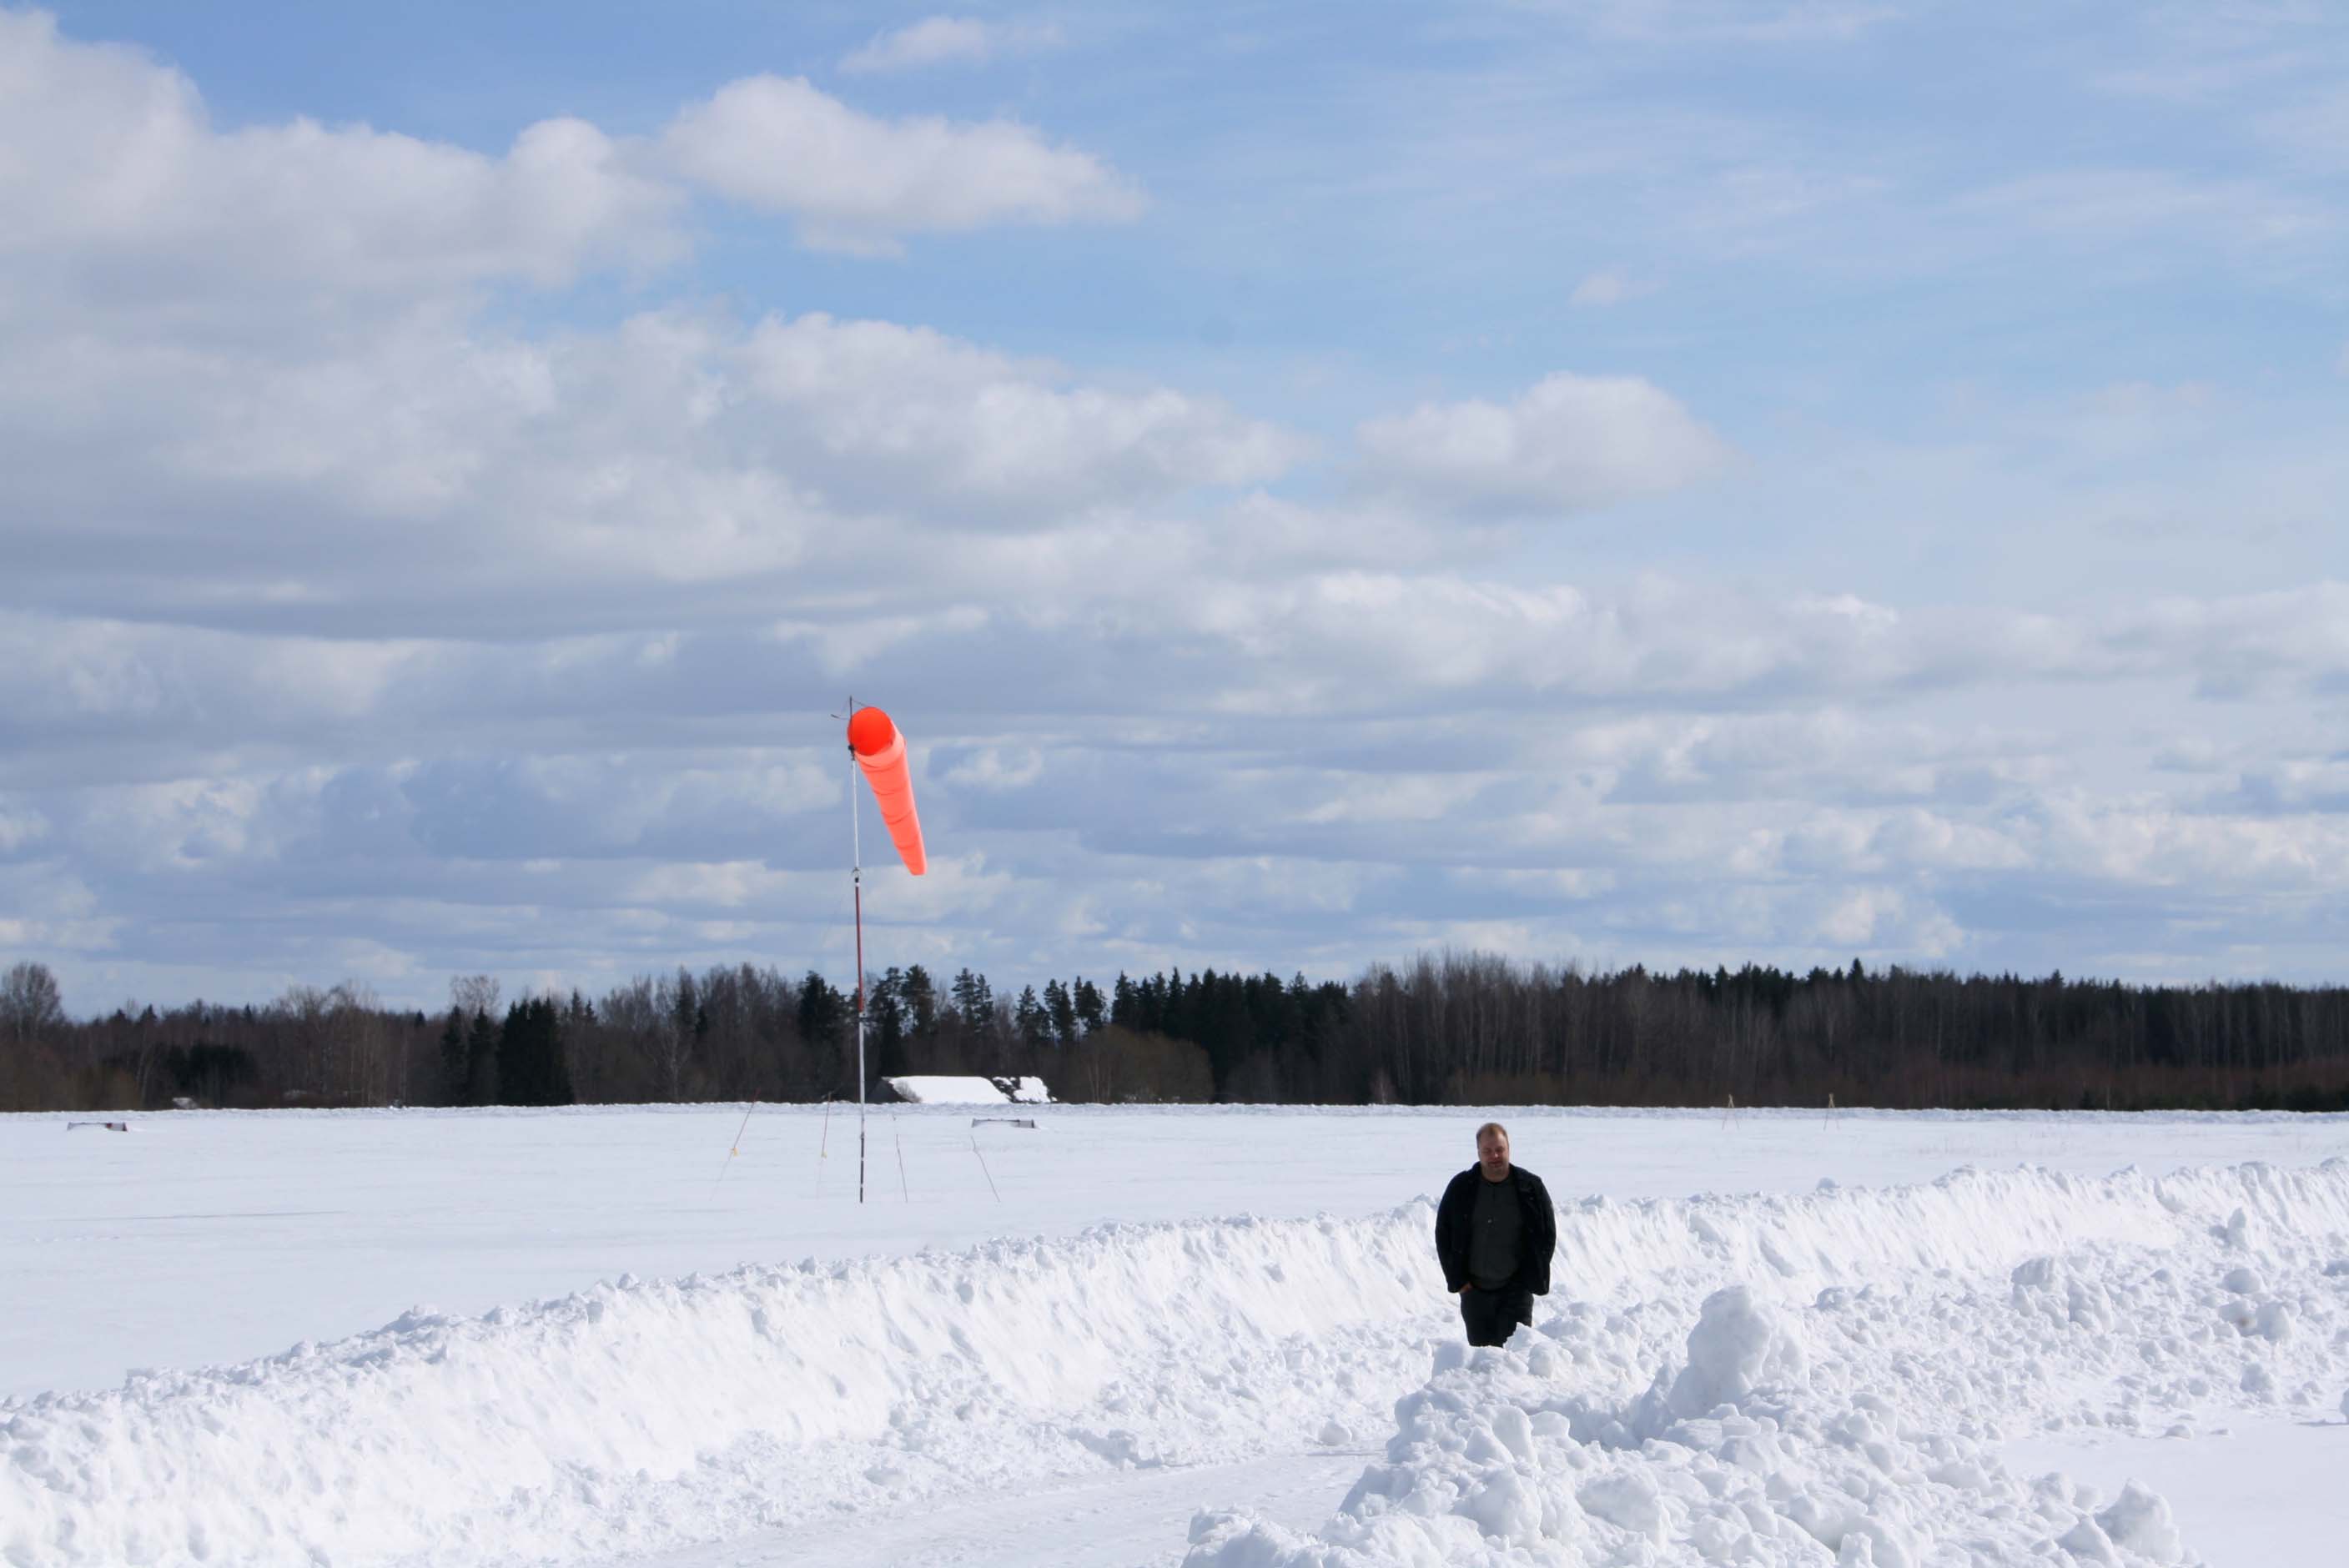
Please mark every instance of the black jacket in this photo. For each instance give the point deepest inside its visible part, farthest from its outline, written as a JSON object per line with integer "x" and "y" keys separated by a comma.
{"x": 1457, "y": 1214}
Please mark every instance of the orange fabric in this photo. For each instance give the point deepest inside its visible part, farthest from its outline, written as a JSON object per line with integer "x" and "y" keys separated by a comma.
{"x": 880, "y": 750}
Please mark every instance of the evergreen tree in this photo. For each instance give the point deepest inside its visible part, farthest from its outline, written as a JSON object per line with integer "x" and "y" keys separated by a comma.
{"x": 1063, "y": 1010}
{"x": 1088, "y": 1002}
{"x": 885, "y": 1017}
{"x": 530, "y": 1066}
{"x": 826, "y": 1015}
{"x": 691, "y": 1022}
{"x": 481, "y": 1061}
{"x": 456, "y": 1069}
{"x": 975, "y": 1000}
{"x": 1031, "y": 1022}
{"x": 921, "y": 998}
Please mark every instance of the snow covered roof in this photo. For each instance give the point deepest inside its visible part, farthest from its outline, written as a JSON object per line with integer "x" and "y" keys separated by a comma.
{"x": 945, "y": 1090}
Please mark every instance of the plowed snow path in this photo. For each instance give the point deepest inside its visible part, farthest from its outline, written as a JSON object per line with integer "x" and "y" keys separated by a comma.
{"x": 2265, "y": 1492}
{"x": 1131, "y": 1519}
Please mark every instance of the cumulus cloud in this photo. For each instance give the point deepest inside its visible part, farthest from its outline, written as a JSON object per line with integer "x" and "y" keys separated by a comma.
{"x": 949, "y": 40}
{"x": 984, "y": 428}
{"x": 136, "y": 198}
{"x": 348, "y": 623}
{"x": 1568, "y": 444}
{"x": 423, "y": 464}
{"x": 856, "y": 182}
{"x": 134, "y": 194}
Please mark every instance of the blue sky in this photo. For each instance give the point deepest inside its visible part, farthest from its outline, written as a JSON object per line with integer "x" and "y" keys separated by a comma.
{"x": 1649, "y": 480}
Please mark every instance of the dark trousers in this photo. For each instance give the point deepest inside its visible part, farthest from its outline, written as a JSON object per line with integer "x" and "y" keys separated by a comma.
{"x": 1492, "y": 1315}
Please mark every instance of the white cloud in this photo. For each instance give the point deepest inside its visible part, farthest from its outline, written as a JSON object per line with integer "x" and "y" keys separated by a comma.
{"x": 996, "y": 767}
{"x": 949, "y": 40}
{"x": 135, "y": 199}
{"x": 1602, "y": 289}
{"x": 1393, "y": 798}
{"x": 1728, "y": 21}
{"x": 856, "y": 182}
{"x": 2111, "y": 207}
{"x": 530, "y": 634}
{"x": 134, "y": 188}
{"x": 676, "y": 452}
{"x": 969, "y": 425}
{"x": 61, "y": 914}
{"x": 19, "y": 829}
{"x": 728, "y": 884}
{"x": 2150, "y": 842}
{"x": 1569, "y": 444}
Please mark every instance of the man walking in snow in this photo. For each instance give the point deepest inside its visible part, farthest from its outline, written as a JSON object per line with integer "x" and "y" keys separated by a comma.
{"x": 1494, "y": 1232}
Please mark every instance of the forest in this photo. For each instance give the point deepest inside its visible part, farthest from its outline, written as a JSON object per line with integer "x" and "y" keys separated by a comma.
{"x": 1448, "y": 1028}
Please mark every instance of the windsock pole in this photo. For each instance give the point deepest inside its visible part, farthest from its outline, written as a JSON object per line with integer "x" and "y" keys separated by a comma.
{"x": 856, "y": 879}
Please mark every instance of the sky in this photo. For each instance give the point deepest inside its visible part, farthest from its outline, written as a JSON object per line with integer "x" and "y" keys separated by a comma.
{"x": 1610, "y": 481}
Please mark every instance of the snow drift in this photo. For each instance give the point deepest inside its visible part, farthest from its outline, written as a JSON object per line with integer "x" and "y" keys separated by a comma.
{"x": 1862, "y": 1425}
{"x": 1871, "y": 1348}
{"x": 933, "y": 1089}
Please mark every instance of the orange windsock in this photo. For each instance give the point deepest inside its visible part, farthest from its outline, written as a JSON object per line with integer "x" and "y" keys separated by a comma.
{"x": 880, "y": 748}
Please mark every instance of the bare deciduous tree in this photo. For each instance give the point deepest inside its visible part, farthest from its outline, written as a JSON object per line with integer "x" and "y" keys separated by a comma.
{"x": 471, "y": 993}
{"x": 30, "y": 1007}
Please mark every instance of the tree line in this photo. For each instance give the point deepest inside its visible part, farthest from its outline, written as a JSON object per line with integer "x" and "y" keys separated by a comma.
{"x": 1449, "y": 1028}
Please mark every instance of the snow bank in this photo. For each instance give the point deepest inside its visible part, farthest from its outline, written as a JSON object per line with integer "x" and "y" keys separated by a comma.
{"x": 1861, "y": 1425}
{"x": 1778, "y": 1376}
{"x": 644, "y": 1414}
{"x": 947, "y": 1090}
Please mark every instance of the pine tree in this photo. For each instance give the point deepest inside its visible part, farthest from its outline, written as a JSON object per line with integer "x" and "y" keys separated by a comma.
{"x": 1063, "y": 1011}
{"x": 885, "y": 1015}
{"x": 456, "y": 1071}
{"x": 975, "y": 1000}
{"x": 1029, "y": 1018}
{"x": 530, "y": 1066}
{"x": 825, "y": 1017}
{"x": 921, "y": 1001}
{"x": 481, "y": 1061}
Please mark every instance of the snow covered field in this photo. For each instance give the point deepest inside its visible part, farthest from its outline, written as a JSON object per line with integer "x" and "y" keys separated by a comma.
{"x": 588, "y": 1335}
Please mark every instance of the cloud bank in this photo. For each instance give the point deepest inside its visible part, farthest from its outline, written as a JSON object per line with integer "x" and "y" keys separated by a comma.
{"x": 357, "y": 620}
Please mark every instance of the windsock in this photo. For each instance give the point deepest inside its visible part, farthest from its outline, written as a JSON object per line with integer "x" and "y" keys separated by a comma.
{"x": 880, "y": 748}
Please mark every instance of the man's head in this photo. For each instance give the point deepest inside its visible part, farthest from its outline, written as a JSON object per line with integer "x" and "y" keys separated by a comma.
{"x": 1492, "y": 1151}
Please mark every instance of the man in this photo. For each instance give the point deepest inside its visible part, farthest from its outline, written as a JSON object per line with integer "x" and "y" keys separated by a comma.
{"x": 1494, "y": 1232}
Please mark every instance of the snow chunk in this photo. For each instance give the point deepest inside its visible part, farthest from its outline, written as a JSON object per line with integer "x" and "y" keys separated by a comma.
{"x": 1629, "y": 1499}
{"x": 1737, "y": 1346}
{"x": 2140, "y": 1520}
{"x": 2274, "y": 1322}
{"x": 2044, "y": 1286}
{"x": 2087, "y": 1542}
